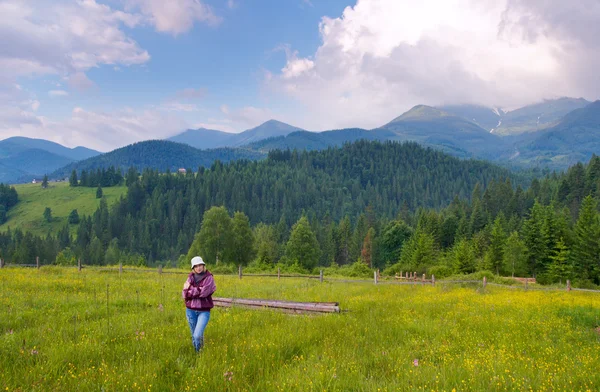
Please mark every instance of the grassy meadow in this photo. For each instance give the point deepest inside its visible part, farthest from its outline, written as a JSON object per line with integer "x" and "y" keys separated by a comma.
{"x": 58, "y": 333}
{"x": 61, "y": 198}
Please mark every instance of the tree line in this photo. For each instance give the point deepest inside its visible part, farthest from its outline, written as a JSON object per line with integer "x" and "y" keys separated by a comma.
{"x": 8, "y": 199}
{"x": 97, "y": 178}
{"x": 399, "y": 207}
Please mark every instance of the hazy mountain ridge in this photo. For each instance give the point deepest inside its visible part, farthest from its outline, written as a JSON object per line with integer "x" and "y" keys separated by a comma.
{"x": 23, "y": 159}
{"x": 574, "y": 139}
{"x": 158, "y": 154}
{"x": 558, "y": 143}
{"x": 203, "y": 138}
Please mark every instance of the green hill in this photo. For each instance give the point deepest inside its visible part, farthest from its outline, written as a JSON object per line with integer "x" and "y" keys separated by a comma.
{"x": 305, "y": 140}
{"x": 160, "y": 155}
{"x": 61, "y": 198}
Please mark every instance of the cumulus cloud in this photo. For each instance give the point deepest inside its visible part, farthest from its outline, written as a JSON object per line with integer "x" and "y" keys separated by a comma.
{"x": 63, "y": 38}
{"x": 174, "y": 16}
{"x": 381, "y": 57}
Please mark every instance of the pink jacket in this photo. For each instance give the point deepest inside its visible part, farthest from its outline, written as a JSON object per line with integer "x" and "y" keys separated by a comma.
{"x": 199, "y": 296}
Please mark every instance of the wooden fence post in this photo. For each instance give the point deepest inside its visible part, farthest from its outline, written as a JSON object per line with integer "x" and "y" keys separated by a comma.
{"x": 79, "y": 265}
{"x": 120, "y": 268}
{"x": 423, "y": 280}
{"x": 278, "y": 273}
{"x": 1, "y": 263}
{"x": 484, "y": 282}
{"x": 526, "y": 283}
{"x": 240, "y": 271}
{"x": 321, "y": 276}
{"x": 375, "y": 276}
{"x": 160, "y": 269}
{"x": 433, "y": 280}
{"x": 37, "y": 262}
{"x": 568, "y": 285}
{"x": 402, "y": 276}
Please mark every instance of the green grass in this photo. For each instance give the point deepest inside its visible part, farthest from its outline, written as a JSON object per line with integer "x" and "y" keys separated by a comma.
{"x": 61, "y": 198}
{"x": 56, "y": 333}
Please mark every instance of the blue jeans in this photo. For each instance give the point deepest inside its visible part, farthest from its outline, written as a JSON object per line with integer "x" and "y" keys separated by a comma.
{"x": 197, "y": 320}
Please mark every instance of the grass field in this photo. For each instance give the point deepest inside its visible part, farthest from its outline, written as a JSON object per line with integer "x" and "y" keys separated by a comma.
{"x": 58, "y": 334}
{"x": 61, "y": 198}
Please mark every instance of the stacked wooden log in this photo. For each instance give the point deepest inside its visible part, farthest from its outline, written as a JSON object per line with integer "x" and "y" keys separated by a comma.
{"x": 284, "y": 306}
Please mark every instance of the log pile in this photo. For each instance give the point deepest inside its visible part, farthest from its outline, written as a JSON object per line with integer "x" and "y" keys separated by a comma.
{"x": 284, "y": 306}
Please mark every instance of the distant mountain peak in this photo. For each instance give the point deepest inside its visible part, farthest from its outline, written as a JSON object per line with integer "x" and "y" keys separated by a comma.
{"x": 275, "y": 124}
{"x": 421, "y": 112}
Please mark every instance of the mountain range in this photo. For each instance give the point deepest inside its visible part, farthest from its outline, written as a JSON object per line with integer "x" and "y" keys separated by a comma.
{"x": 553, "y": 133}
{"x": 203, "y": 138}
{"x": 22, "y": 158}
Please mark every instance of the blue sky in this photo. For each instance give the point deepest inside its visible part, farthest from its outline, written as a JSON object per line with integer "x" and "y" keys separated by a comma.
{"x": 106, "y": 73}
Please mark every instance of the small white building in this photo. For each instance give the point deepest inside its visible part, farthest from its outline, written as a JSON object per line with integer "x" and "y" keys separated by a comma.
{"x": 182, "y": 171}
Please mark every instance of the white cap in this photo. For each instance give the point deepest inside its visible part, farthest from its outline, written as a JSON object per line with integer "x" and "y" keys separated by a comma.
{"x": 197, "y": 261}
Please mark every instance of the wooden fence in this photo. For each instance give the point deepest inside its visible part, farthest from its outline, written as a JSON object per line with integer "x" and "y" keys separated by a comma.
{"x": 410, "y": 278}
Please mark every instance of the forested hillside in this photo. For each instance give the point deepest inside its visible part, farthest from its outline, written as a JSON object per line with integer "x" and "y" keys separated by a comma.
{"x": 394, "y": 206}
{"x": 157, "y": 154}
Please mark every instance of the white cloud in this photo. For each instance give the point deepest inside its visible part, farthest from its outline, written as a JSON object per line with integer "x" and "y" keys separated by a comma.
{"x": 383, "y": 56}
{"x": 174, "y": 16}
{"x": 63, "y": 38}
{"x": 57, "y": 93}
{"x": 103, "y": 131}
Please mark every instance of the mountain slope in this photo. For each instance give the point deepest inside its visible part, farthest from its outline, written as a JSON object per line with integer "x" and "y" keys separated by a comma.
{"x": 487, "y": 118}
{"x": 539, "y": 116}
{"x": 35, "y": 161}
{"x": 453, "y": 134}
{"x": 271, "y": 128}
{"x": 17, "y": 144}
{"x": 572, "y": 140}
{"x": 202, "y": 138}
{"x": 158, "y": 154}
{"x": 11, "y": 175}
{"x": 304, "y": 140}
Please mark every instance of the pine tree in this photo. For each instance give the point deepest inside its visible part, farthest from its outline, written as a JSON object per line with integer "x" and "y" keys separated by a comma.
{"x": 73, "y": 179}
{"x": 586, "y": 249}
{"x": 73, "y": 217}
{"x": 99, "y": 192}
{"x": 495, "y": 252}
{"x": 535, "y": 242}
{"x": 561, "y": 267}
{"x": 45, "y": 181}
{"x": 463, "y": 257}
{"x": 48, "y": 214}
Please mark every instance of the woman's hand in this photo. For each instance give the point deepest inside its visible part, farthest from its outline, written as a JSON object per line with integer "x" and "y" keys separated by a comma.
{"x": 186, "y": 285}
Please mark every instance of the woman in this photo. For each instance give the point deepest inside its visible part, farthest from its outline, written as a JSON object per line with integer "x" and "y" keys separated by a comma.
{"x": 197, "y": 293}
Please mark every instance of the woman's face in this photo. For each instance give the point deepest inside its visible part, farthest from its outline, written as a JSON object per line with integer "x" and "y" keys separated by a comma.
{"x": 199, "y": 268}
